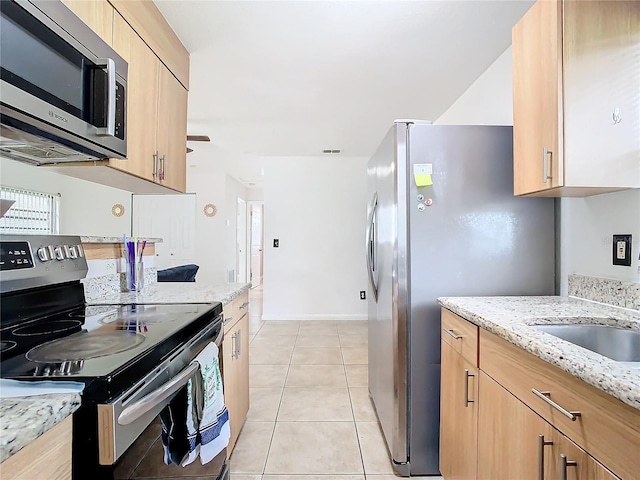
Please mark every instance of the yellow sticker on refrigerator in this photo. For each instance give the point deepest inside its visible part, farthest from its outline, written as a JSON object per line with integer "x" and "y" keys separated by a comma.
{"x": 422, "y": 174}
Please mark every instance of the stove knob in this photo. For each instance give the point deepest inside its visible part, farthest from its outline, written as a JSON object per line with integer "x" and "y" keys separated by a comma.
{"x": 80, "y": 251}
{"x": 73, "y": 253}
{"x": 59, "y": 252}
{"x": 67, "y": 252}
{"x": 43, "y": 254}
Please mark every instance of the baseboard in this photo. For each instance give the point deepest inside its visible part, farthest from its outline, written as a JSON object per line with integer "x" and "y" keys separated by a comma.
{"x": 355, "y": 316}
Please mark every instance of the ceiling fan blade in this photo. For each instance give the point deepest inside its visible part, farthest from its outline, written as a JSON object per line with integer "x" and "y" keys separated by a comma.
{"x": 198, "y": 138}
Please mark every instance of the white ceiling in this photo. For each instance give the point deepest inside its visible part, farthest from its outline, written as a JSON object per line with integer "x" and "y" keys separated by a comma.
{"x": 296, "y": 77}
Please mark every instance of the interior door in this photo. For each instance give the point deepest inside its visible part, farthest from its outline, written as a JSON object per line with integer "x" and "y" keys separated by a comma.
{"x": 256, "y": 244}
{"x": 172, "y": 218}
{"x": 241, "y": 241}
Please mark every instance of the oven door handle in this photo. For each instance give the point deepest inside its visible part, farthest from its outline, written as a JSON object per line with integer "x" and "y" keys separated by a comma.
{"x": 160, "y": 394}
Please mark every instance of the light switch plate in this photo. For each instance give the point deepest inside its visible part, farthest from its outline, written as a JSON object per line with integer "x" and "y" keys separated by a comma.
{"x": 622, "y": 250}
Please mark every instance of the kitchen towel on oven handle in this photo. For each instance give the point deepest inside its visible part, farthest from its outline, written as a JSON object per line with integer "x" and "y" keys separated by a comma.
{"x": 207, "y": 415}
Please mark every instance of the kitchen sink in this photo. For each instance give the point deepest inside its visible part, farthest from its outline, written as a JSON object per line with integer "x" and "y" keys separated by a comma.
{"x": 617, "y": 344}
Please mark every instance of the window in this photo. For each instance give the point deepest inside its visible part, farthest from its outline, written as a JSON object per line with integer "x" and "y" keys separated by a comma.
{"x": 32, "y": 212}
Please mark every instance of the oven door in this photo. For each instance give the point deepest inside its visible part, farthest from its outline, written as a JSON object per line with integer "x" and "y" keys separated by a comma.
{"x": 123, "y": 420}
{"x": 53, "y": 84}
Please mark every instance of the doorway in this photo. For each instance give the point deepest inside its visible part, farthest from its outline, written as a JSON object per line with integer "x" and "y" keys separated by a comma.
{"x": 241, "y": 241}
{"x": 256, "y": 212}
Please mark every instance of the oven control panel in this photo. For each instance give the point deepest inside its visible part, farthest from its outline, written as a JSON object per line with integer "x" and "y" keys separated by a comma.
{"x": 15, "y": 255}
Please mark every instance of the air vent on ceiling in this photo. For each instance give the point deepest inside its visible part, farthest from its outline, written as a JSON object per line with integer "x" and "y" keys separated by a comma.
{"x": 331, "y": 151}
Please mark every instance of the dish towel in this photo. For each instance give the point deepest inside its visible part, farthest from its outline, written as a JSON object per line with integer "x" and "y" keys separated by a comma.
{"x": 174, "y": 429}
{"x": 207, "y": 416}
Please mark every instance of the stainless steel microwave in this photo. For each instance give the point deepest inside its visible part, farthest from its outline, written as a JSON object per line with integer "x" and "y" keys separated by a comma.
{"x": 63, "y": 89}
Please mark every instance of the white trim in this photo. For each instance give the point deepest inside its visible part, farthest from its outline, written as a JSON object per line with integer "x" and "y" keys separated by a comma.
{"x": 329, "y": 317}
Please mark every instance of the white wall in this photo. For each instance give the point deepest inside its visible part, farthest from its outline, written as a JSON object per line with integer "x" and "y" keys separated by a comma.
{"x": 316, "y": 207}
{"x": 586, "y": 224}
{"x": 215, "y": 236}
{"x": 85, "y": 207}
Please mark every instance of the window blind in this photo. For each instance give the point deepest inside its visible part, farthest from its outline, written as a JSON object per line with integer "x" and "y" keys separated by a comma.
{"x": 32, "y": 212}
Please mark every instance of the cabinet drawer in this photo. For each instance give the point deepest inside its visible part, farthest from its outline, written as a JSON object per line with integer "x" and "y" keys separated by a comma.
{"x": 461, "y": 335}
{"x": 235, "y": 310}
{"x": 606, "y": 428}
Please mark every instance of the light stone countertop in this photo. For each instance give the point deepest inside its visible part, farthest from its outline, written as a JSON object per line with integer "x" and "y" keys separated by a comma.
{"x": 95, "y": 239}
{"x": 177, "y": 292}
{"x": 512, "y": 318}
{"x": 23, "y": 419}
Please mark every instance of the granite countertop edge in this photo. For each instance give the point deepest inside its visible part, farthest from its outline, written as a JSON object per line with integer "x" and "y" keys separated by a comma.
{"x": 177, "y": 292}
{"x": 511, "y": 318}
{"x": 24, "y": 419}
{"x": 99, "y": 239}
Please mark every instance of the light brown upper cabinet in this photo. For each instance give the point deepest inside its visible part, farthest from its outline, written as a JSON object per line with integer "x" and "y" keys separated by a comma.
{"x": 576, "y": 98}
{"x": 97, "y": 14}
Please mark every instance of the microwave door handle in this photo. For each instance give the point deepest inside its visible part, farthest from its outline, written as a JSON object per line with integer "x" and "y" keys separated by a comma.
{"x": 110, "y": 67}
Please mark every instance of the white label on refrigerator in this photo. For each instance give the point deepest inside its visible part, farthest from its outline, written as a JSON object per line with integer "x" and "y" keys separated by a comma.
{"x": 423, "y": 169}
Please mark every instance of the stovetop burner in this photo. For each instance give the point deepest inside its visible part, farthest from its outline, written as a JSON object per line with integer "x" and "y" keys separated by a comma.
{"x": 133, "y": 318}
{"x": 85, "y": 345}
{"x": 7, "y": 345}
{"x": 58, "y": 326}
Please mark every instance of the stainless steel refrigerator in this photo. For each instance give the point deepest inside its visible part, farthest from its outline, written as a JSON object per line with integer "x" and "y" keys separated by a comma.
{"x": 442, "y": 221}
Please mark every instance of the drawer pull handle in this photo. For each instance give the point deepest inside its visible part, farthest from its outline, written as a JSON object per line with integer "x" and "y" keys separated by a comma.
{"x": 466, "y": 387}
{"x": 564, "y": 463}
{"x": 541, "y": 444}
{"x": 573, "y": 416}
{"x": 451, "y": 332}
{"x": 244, "y": 305}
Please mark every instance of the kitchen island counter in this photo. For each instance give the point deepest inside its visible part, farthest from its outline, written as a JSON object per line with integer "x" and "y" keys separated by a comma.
{"x": 177, "y": 292}
{"x": 513, "y": 318}
{"x": 23, "y": 419}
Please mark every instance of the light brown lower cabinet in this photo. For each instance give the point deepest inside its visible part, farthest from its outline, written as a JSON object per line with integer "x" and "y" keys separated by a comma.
{"x": 235, "y": 367}
{"x": 500, "y": 437}
{"x": 48, "y": 457}
{"x": 458, "y": 416}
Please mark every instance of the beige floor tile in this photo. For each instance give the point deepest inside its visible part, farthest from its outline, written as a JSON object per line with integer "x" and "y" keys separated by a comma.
{"x": 374, "y": 449}
{"x": 264, "y": 404}
{"x": 274, "y": 341}
{"x": 264, "y": 354}
{"x": 244, "y": 477}
{"x": 327, "y": 404}
{"x": 361, "y": 331}
{"x": 250, "y": 453}
{"x": 273, "y": 327}
{"x": 363, "y": 410}
{"x": 311, "y": 477}
{"x": 316, "y": 449}
{"x": 355, "y": 355}
{"x": 316, "y": 356}
{"x": 353, "y": 340}
{"x": 318, "y": 328}
{"x": 316, "y": 323}
{"x": 316, "y": 376}
{"x": 317, "y": 340}
{"x": 357, "y": 375}
{"x": 269, "y": 376}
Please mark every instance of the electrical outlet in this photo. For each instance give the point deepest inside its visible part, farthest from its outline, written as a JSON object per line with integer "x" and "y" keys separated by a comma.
{"x": 363, "y": 295}
{"x": 276, "y": 243}
{"x": 622, "y": 250}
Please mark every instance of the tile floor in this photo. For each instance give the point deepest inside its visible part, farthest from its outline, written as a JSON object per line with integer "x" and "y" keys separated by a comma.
{"x": 311, "y": 417}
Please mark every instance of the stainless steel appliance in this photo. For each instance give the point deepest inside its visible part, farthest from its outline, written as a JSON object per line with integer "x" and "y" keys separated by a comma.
{"x": 132, "y": 358}
{"x": 62, "y": 88}
{"x": 442, "y": 221}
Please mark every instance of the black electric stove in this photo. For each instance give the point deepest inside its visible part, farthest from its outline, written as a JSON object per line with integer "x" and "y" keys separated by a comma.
{"x": 122, "y": 353}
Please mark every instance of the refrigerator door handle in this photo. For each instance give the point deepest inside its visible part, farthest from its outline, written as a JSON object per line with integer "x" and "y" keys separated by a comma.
{"x": 371, "y": 246}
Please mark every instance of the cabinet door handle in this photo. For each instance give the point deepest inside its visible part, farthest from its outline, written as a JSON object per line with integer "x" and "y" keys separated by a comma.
{"x": 541, "y": 444}
{"x": 155, "y": 165}
{"x": 466, "y": 387}
{"x": 564, "y": 463}
{"x": 234, "y": 345}
{"x": 164, "y": 167}
{"x": 244, "y": 305}
{"x": 546, "y": 154}
{"x": 452, "y": 333}
{"x": 573, "y": 416}
{"x": 238, "y": 343}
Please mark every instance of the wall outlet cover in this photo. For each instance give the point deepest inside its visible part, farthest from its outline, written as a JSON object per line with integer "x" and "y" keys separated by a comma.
{"x": 276, "y": 243}
{"x": 622, "y": 250}
{"x": 363, "y": 295}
